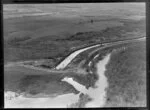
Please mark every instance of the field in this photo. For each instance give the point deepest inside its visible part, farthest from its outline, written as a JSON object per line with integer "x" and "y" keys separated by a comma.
{"x": 45, "y": 35}
{"x": 21, "y": 79}
{"x": 126, "y": 75}
{"x": 53, "y": 37}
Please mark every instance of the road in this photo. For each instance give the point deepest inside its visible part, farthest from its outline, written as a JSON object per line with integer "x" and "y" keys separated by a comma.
{"x": 68, "y": 59}
{"x": 59, "y": 68}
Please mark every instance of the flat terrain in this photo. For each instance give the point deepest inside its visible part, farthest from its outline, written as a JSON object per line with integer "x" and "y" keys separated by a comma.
{"x": 126, "y": 75}
{"x": 45, "y": 35}
{"x": 54, "y": 36}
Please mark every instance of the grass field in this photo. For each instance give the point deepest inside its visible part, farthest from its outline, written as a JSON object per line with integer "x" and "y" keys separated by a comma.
{"x": 53, "y": 37}
{"x": 126, "y": 75}
{"x": 50, "y": 38}
{"x": 56, "y": 46}
{"x": 21, "y": 79}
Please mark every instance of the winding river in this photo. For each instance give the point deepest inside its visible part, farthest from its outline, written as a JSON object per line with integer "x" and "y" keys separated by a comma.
{"x": 62, "y": 101}
{"x": 97, "y": 94}
{"x": 68, "y": 59}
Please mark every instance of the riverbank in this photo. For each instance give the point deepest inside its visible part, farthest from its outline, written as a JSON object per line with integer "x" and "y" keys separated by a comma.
{"x": 92, "y": 97}
{"x": 123, "y": 52}
{"x": 20, "y": 101}
{"x": 91, "y": 92}
{"x": 126, "y": 75}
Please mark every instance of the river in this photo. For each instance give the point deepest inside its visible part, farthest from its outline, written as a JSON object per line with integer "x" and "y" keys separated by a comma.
{"x": 97, "y": 94}
{"x": 68, "y": 59}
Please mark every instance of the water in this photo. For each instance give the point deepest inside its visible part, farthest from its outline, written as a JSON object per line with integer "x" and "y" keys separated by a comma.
{"x": 81, "y": 88}
{"x": 67, "y": 60}
{"x": 61, "y": 101}
{"x": 97, "y": 94}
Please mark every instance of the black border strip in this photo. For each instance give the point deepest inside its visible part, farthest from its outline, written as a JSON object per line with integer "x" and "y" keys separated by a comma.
{"x": 68, "y": 1}
{"x": 1, "y": 61}
{"x": 77, "y": 1}
{"x": 148, "y": 49}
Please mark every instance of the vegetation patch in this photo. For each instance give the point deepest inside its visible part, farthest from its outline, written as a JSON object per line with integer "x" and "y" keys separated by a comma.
{"x": 126, "y": 74}
{"x": 82, "y": 101}
{"x": 29, "y": 38}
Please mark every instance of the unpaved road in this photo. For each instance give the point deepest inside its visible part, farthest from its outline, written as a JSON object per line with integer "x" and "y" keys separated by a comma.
{"x": 59, "y": 68}
{"x": 97, "y": 94}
